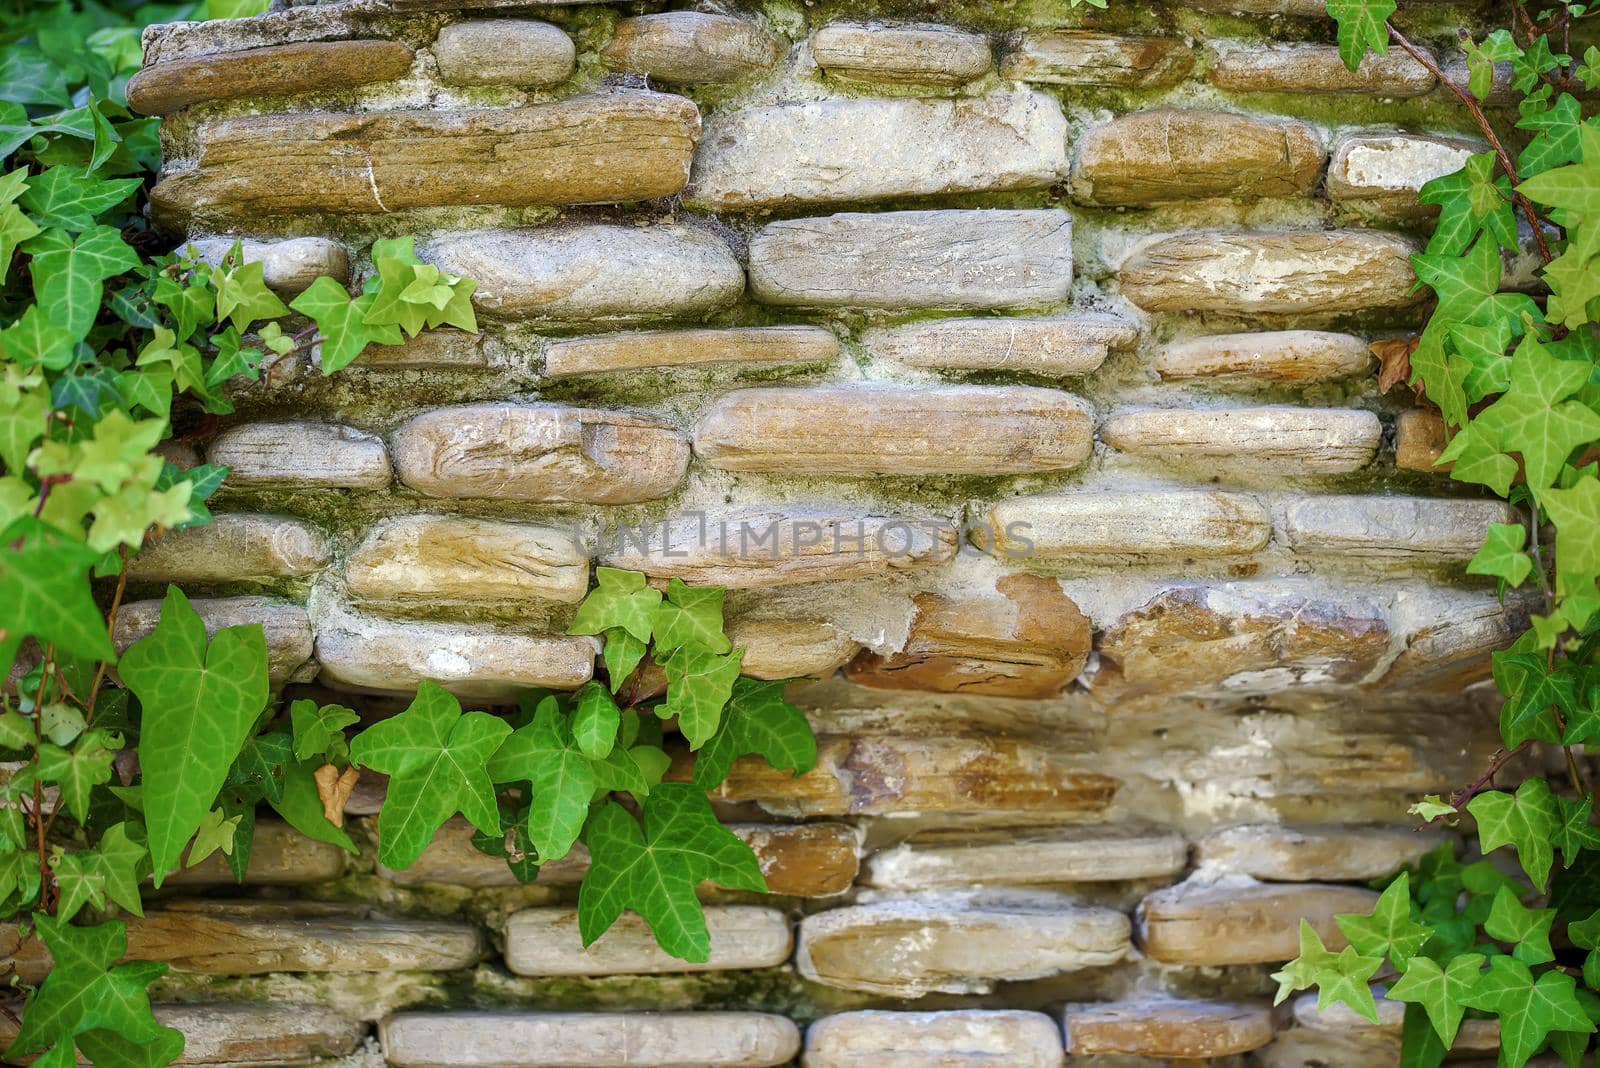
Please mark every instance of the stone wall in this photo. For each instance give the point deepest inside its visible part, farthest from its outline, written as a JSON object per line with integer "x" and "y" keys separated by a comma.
{"x": 1027, "y": 347}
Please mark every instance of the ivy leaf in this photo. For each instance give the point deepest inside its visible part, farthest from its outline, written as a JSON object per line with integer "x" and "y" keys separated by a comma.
{"x": 621, "y": 654}
{"x": 691, "y": 617}
{"x": 622, "y": 600}
{"x": 1576, "y": 513}
{"x": 1575, "y": 187}
{"x": 1439, "y": 990}
{"x": 44, "y": 592}
{"x": 119, "y": 860}
{"x": 79, "y": 886}
{"x": 1526, "y": 821}
{"x": 1388, "y": 929}
{"x": 257, "y": 772}
{"x": 34, "y": 341}
{"x": 77, "y": 771}
{"x": 1529, "y": 1009}
{"x": 1361, "y": 26}
{"x": 595, "y": 723}
{"x": 757, "y": 720}
{"x": 216, "y": 832}
{"x": 243, "y": 296}
{"x": 301, "y": 807}
{"x": 64, "y": 197}
{"x": 1557, "y": 140}
{"x": 15, "y": 228}
{"x": 1302, "y": 972}
{"x": 542, "y": 754}
{"x": 1527, "y": 930}
{"x": 83, "y": 992}
{"x": 1574, "y": 830}
{"x": 319, "y": 730}
{"x": 340, "y": 322}
{"x": 1532, "y": 692}
{"x": 698, "y": 687}
{"x": 1502, "y": 556}
{"x": 1471, "y": 201}
{"x": 1431, "y": 807}
{"x": 111, "y": 1050}
{"x": 1533, "y": 418}
{"x": 1477, "y": 458}
{"x": 69, "y": 273}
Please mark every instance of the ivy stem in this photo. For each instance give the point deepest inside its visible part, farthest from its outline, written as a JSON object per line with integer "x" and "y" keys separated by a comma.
{"x": 111, "y": 631}
{"x": 1501, "y": 759}
{"x": 45, "y": 667}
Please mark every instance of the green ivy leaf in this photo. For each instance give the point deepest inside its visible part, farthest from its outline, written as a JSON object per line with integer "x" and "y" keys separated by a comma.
{"x": 1533, "y": 693}
{"x": 243, "y": 296}
{"x": 301, "y": 807}
{"x": 698, "y": 687}
{"x": 1439, "y": 990}
{"x": 1533, "y": 417}
{"x": 69, "y": 273}
{"x": 1502, "y": 555}
{"x": 216, "y": 832}
{"x": 83, "y": 992}
{"x": 120, "y": 860}
{"x": 757, "y": 720}
{"x": 257, "y": 772}
{"x": 1576, "y": 513}
{"x": 1527, "y": 930}
{"x": 620, "y": 600}
{"x": 77, "y": 771}
{"x": 1388, "y": 929}
{"x": 64, "y": 197}
{"x": 1529, "y": 1009}
{"x": 690, "y": 617}
{"x": 1575, "y": 831}
{"x": 340, "y": 322}
{"x": 1526, "y": 821}
{"x": 543, "y": 754}
{"x": 596, "y": 720}
{"x": 319, "y": 730}
{"x": 44, "y": 593}
{"x": 621, "y": 654}
{"x": 1361, "y": 26}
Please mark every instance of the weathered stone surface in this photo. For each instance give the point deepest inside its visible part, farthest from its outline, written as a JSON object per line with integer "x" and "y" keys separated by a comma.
{"x": 1316, "y": 9}
{"x": 241, "y": 1034}
{"x": 1424, "y": 529}
{"x": 459, "y": 560}
{"x": 1385, "y": 171}
{"x": 1313, "y": 68}
{"x": 1265, "y": 358}
{"x": 896, "y": 430}
{"x": 1163, "y": 1027}
{"x": 504, "y": 52}
{"x": 936, "y": 259}
{"x": 746, "y": 549}
{"x": 1340, "y": 1019}
{"x": 759, "y": 345}
{"x": 301, "y": 456}
{"x": 912, "y": 948}
{"x": 540, "y": 452}
{"x": 960, "y": 1038}
{"x": 955, "y": 859}
{"x": 1277, "y": 438}
{"x": 286, "y": 626}
{"x": 1136, "y": 523}
{"x": 545, "y": 941}
{"x": 588, "y": 1039}
{"x": 842, "y": 151}
{"x": 905, "y": 53}
{"x": 279, "y": 856}
{"x": 445, "y": 349}
{"x": 1238, "y": 921}
{"x": 583, "y": 150}
{"x": 1025, "y": 639}
{"x": 1069, "y": 346}
{"x": 1418, "y": 441}
{"x": 789, "y": 649}
{"x": 692, "y": 46}
{"x": 1154, "y": 156}
{"x": 306, "y": 67}
{"x": 1307, "y": 853}
{"x": 1297, "y": 273}
{"x": 1081, "y": 57}
{"x": 1454, "y": 651}
{"x": 232, "y": 548}
{"x": 288, "y": 266}
{"x": 169, "y": 41}
{"x": 594, "y": 271}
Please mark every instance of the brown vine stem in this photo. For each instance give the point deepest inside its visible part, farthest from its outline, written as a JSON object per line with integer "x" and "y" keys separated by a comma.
{"x": 1473, "y": 788}
{"x": 45, "y": 667}
{"x": 111, "y": 630}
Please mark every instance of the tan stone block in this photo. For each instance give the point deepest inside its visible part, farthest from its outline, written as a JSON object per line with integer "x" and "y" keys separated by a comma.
{"x": 1153, "y": 156}
{"x": 1422, "y": 529}
{"x": 1082, "y": 57}
{"x": 1418, "y": 441}
{"x": 1165, "y": 1027}
{"x": 958, "y": 1038}
{"x": 911, "y": 948}
{"x": 1136, "y": 523}
{"x": 540, "y": 452}
{"x": 445, "y": 349}
{"x": 248, "y": 1033}
{"x": 1070, "y": 346}
{"x": 1026, "y": 639}
{"x": 1265, "y": 358}
{"x": 169, "y": 41}
{"x": 1313, "y": 68}
{"x": 301, "y": 456}
{"x": 286, "y": 626}
{"x": 504, "y": 52}
{"x": 692, "y": 46}
{"x": 896, "y": 430}
{"x": 459, "y": 560}
{"x": 279, "y": 856}
{"x": 308, "y": 67}
{"x": 1454, "y": 651}
{"x": 1237, "y": 921}
{"x": 232, "y": 548}
{"x": 1277, "y": 438}
{"x": 1310, "y": 852}
{"x": 901, "y": 53}
{"x": 790, "y": 648}
{"x": 1386, "y": 171}
{"x": 287, "y": 266}
{"x": 956, "y": 859}
{"x": 546, "y": 941}
{"x": 761, "y": 345}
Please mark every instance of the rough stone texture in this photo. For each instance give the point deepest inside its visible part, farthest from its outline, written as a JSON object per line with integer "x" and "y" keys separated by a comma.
{"x": 1159, "y": 1027}
{"x": 231, "y": 548}
{"x": 1453, "y": 650}
{"x": 1142, "y": 524}
{"x": 739, "y": 347}
{"x": 911, "y": 948}
{"x": 896, "y": 430}
{"x": 286, "y": 627}
{"x": 540, "y": 452}
{"x": 1023, "y": 855}
{"x": 1418, "y": 441}
{"x": 1307, "y": 853}
{"x": 692, "y": 46}
{"x": 504, "y": 51}
{"x": 960, "y": 1038}
{"x": 594, "y": 271}
{"x": 1025, "y": 639}
{"x": 445, "y": 349}
{"x": 1069, "y": 346}
{"x": 1313, "y": 68}
{"x": 279, "y": 856}
{"x": 588, "y": 1040}
{"x": 1282, "y": 439}
{"x": 789, "y": 649}
{"x": 1420, "y": 528}
{"x": 1385, "y": 171}
{"x": 906, "y": 53}
{"x": 1154, "y": 156}
{"x": 1294, "y": 273}
{"x": 456, "y": 560}
{"x": 288, "y": 266}
{"x": 301, "y": 456}
{"x": 1236, "y": 921}
{"x": 248, "y": 1033}
{"x": 307, "y": 67}
{"x": 1311, "y": 9}
{"x": 546, "y": 942}
{"x": 1081, "y": 57}
{"x": 1266, "y": 358}
{"x": 582, "y": 150}
{"x": 935, "y": 259}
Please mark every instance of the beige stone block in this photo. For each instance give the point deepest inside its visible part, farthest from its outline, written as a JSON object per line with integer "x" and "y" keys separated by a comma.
{"x": 1083, "y": 57}
{"x": 851, "y": 151}
{"x": 1166, "y": 1027}
{"x": 540, "y": 452}
{"x": 1311, "y": 852}
{"x": 956, "y": 859}
{"x": 896, "y": 430}
{"x": 1386, "y": 171}
{"x": 958, "y": 259}
{"x": 901, "y": 53}
{"x": 1279, "y": 439}
{"x": 1265, "y": 358}
{"x": 232, "y": 548}
{"x": 1237, "y": 921}
{"x": 692, "y": 46}
{"x": 958, "y": 1038}
{"x": 301, "y": 456}
{"x": 504, "y": 52}
{"x": 1421, "y": 529}
{"x": 286, "y": 626}
{"x": 546, "y": 942}
{"x": 1311, "y": 9}
{"x": 279, "y": 856}
{"x": 1069, "y": 346}
{"x": 1418, "y": 441}
{"x": 1285, "y": 273}
{"x": 445, "y": 349}
{"x": 1313, "y": 68}
{"x": 168, "y": 41}
{"x": 306, "y": 67}
{"x": 738, "y": 347}
{"x": 248, "y": 1033}
{"x": 790, "y": 648}
{"x": 1133, "y": 523}
{"x": 457, "y": 560}
{"x": 287, "y": 266}
{"x": 1454, "y": 651}
{"x": 911, "y": 948}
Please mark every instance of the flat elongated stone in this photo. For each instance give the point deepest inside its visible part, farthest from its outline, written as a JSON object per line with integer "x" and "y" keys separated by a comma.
{"x": 541, "y": 452}
{"x": 445, "y": 349}
{"x": 279, "y": 856}
{"x": 1282, "y": 439}
{"x": 1454, "y": 650}
{"x": 1271, "y": 272}
{"x": 1311, "y": 9}
{"x": 457, "y": 560}
{"x": 247, "y": 1033}
{"x": 789, "y": 648}
{"x": 545, "y": 941}
{"x": 1331, "y": 852}
{"x": 960, "y": 1038}
{"x": 903, "y": 53}
{"x": 305, "y": 67}
{"x": 1154, "y": 156}
{"x": 286, "y": 626}
{"x": 955, "y": 859}
{"x": 1137, "y": 523}
{"x": 760, "y": 345}
{"x": 232, "y": 548}
{"x": 583, "y": 150}
{"x": 504, "y": 52}
{"x": 1265, "y": 358}
{"x": 588, "y": 1039}
{"x": 1386, "y": 171}
{"x": 1163, "y": 1027}
{"x": 1313, "y": 68}
{"x": 909, "y": 949}
{"x": 587, "y": 272}
{"x": 1418, "y": 441}
{"x": 935, "y": 259}
{"x": 1082, "y": 57}
{"x": 1071, "y": 346}
{"x": 288, "y": 266}
{"x": 1406, "y": 528}
{"x": 896, "y": 430}
{"x": 691, "y": 46}
{"x": 301, "y": 455}
{"x": 1237, "y": 921}
{"x": 169, "y": 41}
{"x": 844, "y": 151}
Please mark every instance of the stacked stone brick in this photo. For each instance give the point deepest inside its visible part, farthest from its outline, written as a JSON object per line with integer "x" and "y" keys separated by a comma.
{"x": 1133, "y": 614}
